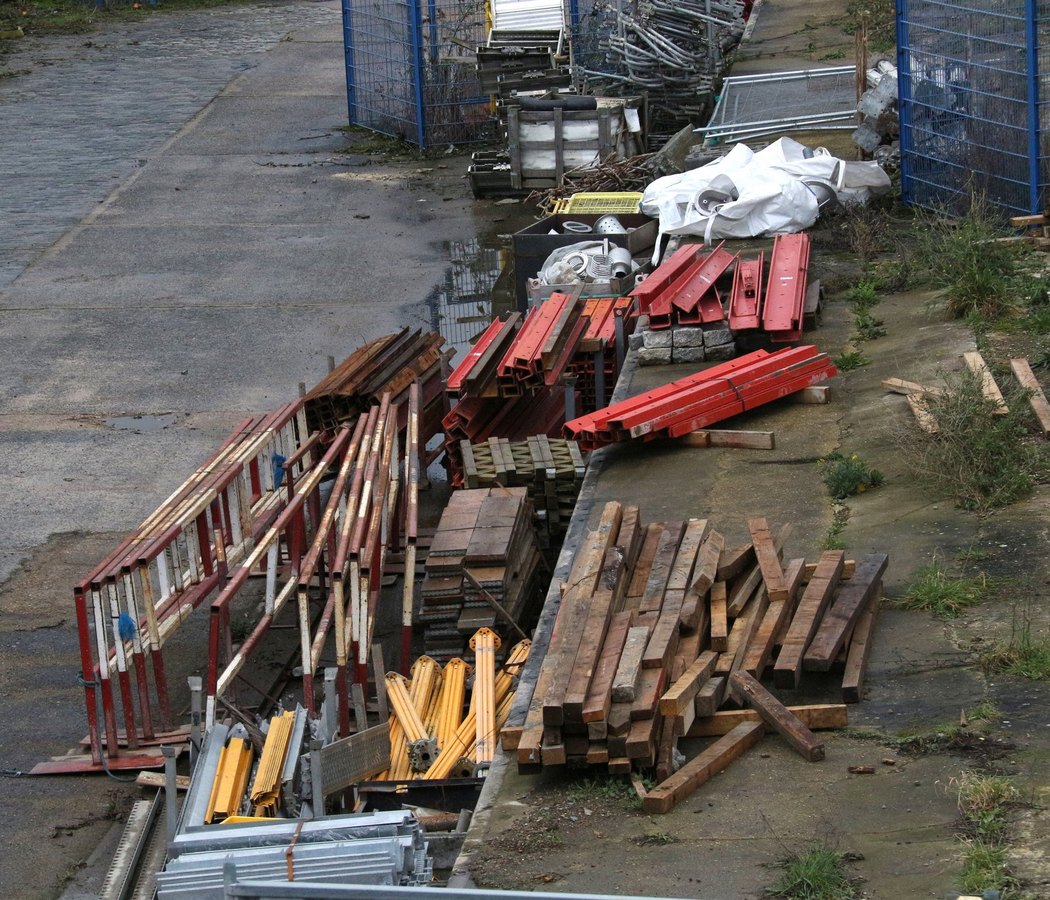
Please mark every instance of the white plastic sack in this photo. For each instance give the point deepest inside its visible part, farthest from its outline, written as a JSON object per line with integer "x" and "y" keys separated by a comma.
{"x": 768, "y": 194}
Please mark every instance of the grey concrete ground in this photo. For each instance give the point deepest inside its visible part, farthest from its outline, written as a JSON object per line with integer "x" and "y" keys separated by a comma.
{"x": 180, "y": 240}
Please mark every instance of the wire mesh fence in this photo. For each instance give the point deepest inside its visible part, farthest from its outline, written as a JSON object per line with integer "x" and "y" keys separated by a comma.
{"x": 410, "y": 70}
{"x": 975, "y": 102}
{"x": 751, "y": 106}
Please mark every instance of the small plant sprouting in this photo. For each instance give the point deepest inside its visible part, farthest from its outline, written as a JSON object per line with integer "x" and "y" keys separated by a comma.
{"x": 818, "y": 874}
{"x": 936, "y": 591}
{"x": 848, "y": 360}
{"x": 845, "y": 476}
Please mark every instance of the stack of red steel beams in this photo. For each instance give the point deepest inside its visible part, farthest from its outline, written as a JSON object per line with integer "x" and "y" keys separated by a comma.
{"x": 745, "y": 302}
{"x": 475, "y": 374}
{"x": 700, "y": 400}
{"x": 595, "y": 364}
{"x": 682, "y": 289}
{"x": 542, "y": 349}
{"x": 786, "y": 289}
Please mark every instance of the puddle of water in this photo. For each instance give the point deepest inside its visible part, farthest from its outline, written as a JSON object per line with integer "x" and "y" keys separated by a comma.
{"x": 141, "y": 424}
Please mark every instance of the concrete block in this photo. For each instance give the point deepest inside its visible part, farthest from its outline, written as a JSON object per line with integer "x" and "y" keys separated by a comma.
{"x": 866, "y": 137}
{"x": 687, "y": 354}
{"x": 657, "y": 340}
{"x": 722, "y": 351}
{"x": 687, "y": 337}
{"x": 654, "y": 356}
{"x": 635, "y": 340}
{"x": 717, "y": 337}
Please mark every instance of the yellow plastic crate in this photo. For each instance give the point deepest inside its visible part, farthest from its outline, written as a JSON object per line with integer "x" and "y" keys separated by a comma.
{"x": 598, "y": 203}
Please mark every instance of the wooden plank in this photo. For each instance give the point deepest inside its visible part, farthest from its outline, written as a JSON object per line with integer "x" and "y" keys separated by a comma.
{"x": 647, "y": 694}
{"x": 815, "y": 600}
{"x": 779, "y": 612}
{"x": 735, "y": 440}
{"x": 697, "y": 771}
{"x": 719, "y": 623}
{"x": 774, "y": 713}
{"x": 619, "y": 718}
{"x": 631, "y": 536}
{"x": 838, "y": 622}
{"x": 900, "y": 386}
{"x": 684, "y": 690}
{"x": 849, "y": 566}
{"x": 663, "y": 642}
{"x": 568, "y": 628}
{"x": 1036, "y": 399}
{"x": 641, "y": 742}
{"x": 768, "y": 559}
{"x": 619, "y": 765}
{"x": 813, "y": 716}
{"x": 976, "y": 364}
{"x": 859, "y": 651}
{"x": 694, "y": 606}
{"x": 743, "y": 590}
{"x": 693, "y": 537}
{"x": 711, "y": 696}
{"x": 926, "y": 420}
{"x": 644, "y": 564}
{"x": 599, "y": 694}
{"x": 735, "y": 561}
{"x": 626, "y": 677}
{"x": 660, "y": 571}
{"x": 604, "y": 601}
{"x": 742, "y": 634}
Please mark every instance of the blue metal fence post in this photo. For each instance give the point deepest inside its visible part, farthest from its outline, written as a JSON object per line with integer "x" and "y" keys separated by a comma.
{"x": 415, "y": 29}
{"x": 904, "y": 98}
{"x": 348, "y": 54}
{"x": 1031, "y": 23}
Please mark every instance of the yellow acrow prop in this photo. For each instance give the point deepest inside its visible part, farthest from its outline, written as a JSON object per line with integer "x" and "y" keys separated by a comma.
{"x": 450, "y": 702}
{"x": 485, "y": 643}
{"x": 267, "y": 785}
{"x": 231, "y": 778}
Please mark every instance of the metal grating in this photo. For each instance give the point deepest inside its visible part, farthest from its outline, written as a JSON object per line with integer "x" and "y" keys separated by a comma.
{"x": 752, "y": 106}
{"x": 974, "y": 84}
{"x": 355, "y": 758}
{"x": 410, "y": 69}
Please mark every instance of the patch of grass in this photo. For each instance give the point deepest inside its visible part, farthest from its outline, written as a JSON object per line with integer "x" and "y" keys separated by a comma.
{"x": 983, "y": 711}
{"x": 973, "y": 555}
{"x": 938, "y": 592}
{"x": 848, "y": 360}
{"x": 601, "y": 788}
{"x": 818, "y": 874}
{"x": 984, "y": 867}
{"x": 882, "y": 33}
{"x": 834, "y": 54}
{"x": 839, "y": 519}
{"x": 863, "y": 297}
{"x": 654, "y": 839}
{"x": 846, "y": 476}
{"x": 1023, "y": 655}
{"x": 964, "y": 259}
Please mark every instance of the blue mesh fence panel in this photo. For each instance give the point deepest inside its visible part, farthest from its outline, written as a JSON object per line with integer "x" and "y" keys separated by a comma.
{"x": 410, "y": 69}
{"x": 973, "y": 113}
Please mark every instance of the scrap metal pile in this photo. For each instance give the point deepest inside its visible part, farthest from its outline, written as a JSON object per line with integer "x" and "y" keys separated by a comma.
{"x": 661, "y": 625}
{"x": 674, "y": 52}
{"x": 512, "y": 384}
{"x": 712, "y": 395}
{"x": 260, "y": 506}
{"x": 483, "y": 568}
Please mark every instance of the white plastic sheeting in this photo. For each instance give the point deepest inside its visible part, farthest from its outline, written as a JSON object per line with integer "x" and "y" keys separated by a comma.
{"x": 777, "y": 190}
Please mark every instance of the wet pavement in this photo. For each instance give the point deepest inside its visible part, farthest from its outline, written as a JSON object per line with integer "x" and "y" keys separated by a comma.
{"x": 186, "y": 233}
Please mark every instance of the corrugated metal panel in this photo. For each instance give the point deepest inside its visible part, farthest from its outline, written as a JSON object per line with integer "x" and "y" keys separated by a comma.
{"x": 527, "y": 15}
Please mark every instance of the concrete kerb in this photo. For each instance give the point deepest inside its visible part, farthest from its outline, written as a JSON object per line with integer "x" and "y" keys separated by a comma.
{"x": 581, "y": 515}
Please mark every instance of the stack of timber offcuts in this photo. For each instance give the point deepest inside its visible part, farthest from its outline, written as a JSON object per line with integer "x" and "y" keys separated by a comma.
{"x": 483, "y": 555}
{"x": 662, "y": 625}
{"x": 389, "y": 364}
{"x": 551, "y": 469}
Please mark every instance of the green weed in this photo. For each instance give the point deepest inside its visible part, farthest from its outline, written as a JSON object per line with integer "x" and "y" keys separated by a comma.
{"x": 848, "y": 360}
{"x": 1023, "y": 655}
{"x": 845, "y": 476}
{"x": 936, "y": 591}
{"x": 983, "y": 711}
{"x": 818, "y": 874}
{"x": 984, "y": 867}
{"x": 980, "y": 458}
{"x": 839, "y": 519}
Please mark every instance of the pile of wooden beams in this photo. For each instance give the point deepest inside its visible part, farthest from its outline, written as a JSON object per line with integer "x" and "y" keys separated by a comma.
{"x": 482, "y": 568}
{"x": 435, "y": 733}
{"x": 388, "y": 364}
{"x": 550, "y": 469}
{"x": 661, "y": 625}
{"x": 699, "y": 400}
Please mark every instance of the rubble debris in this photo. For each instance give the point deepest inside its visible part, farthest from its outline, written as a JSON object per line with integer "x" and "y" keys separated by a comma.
{"x": 880, "y": 122}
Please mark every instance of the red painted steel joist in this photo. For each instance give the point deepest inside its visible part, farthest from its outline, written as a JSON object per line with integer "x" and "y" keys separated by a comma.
{"x": 786, "y": 290}
{"x": 707, "y": 397}
{"x": 745, "y": 302}
{"x": 664, "y": 275}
